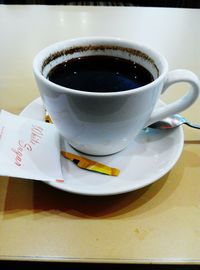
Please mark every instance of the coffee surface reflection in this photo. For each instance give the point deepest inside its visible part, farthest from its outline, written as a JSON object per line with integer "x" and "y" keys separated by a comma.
{"x": 100, "y": 74}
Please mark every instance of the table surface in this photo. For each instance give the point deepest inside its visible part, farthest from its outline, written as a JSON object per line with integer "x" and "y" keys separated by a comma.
{"x": 156, "y": 224}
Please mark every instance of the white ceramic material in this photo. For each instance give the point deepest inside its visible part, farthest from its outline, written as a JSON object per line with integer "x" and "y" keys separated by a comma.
{"x": 145, "y": 160}
{"x": 105, "y": 123}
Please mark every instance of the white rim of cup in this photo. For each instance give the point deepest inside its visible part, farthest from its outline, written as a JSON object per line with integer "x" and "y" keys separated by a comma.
{"x": 43, "y": 54}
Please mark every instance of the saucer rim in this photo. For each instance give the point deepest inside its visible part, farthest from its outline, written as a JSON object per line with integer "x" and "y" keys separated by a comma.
{"x": 62, "y": 187}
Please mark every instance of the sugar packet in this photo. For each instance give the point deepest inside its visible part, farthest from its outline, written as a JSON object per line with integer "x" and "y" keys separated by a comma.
{"x": 29, "y": 148}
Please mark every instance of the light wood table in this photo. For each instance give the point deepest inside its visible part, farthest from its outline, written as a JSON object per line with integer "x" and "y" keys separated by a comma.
{"x": 157, "y": 224}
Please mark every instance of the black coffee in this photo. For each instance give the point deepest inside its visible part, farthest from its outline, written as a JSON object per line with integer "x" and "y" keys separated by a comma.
{"x": 100, "y": 74}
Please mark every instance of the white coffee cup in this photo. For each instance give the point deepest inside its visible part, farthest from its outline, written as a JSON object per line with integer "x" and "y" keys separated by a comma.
{"x": 105, "y": 123}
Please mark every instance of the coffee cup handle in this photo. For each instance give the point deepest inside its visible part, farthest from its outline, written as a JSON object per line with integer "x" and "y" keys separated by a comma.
{"x": 175, "y": 76}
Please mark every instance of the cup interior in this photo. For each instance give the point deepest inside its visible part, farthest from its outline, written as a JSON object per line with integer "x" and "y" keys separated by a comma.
{"x": 130, "y": 54}
{"x": 70, "y": 49}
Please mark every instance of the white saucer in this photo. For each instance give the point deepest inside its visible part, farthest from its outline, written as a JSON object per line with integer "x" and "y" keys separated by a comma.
{"x": 146, "y": 160}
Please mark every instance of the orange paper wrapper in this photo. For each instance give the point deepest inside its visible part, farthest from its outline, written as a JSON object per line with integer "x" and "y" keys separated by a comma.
{"x": 47, "y": 118}
{"x": 90, "y": 165}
